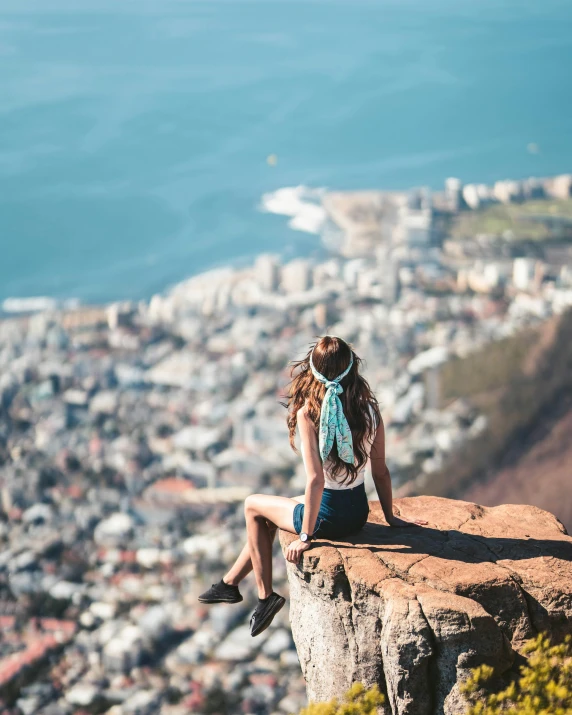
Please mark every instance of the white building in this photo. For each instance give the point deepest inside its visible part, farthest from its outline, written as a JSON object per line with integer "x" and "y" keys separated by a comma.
{"x": 125, "y": 651}
{"x": 524, "y": 270}
{"x": 267, "y": 272}
{"x": 507, "y": 191}
{"x": 352, "y": 270}
{"x": 326, "y": 272}
{"x": 453, "y": 193}
{"x": 560, "y": 187}
{"x": 297, "y": 276}
{"x": 414, "y": 226}
{"x": 496, "y": 274}
{"x": 389, "y": 278}
{"x": 476, "y": 195}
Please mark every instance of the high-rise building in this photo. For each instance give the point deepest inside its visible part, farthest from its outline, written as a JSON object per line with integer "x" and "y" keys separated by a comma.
{"x": 559, "y": 187}
{"x": 267, "y": 272}
{"x": 453, "y": 193}
{"x": 389, "y": 276}
{"x": 326, "y": 272}
{"x": 391, "y": 284}
{"x": 507, "y": 191}
{"x": 414, "y": 227}
{"x": 414, "y": 220}
{"x": 476, "y": 195}
{"x": 523, "y": 273}
{"x": 432, "y": 379}
{"x": 321, "y": 315}
{"x": 351, "y": 271}
{"x": 297, "y": 276}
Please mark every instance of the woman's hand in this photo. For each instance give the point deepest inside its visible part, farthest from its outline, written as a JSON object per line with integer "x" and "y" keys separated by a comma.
{"x": 398, "y": 521}
{"x": 295, "y": 550}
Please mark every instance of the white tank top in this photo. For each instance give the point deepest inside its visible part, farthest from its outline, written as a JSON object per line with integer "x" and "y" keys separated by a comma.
{"x": 331, "y": 482}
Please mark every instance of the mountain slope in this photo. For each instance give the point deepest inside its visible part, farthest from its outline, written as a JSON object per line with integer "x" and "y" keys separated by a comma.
{"x": 524, "y": 387}
{"x": 538, "y": 472}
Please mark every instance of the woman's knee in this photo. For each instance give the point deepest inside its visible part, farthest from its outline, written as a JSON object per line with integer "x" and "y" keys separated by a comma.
{"x": 251, "y": 505}
{"x": 254, "y": 509}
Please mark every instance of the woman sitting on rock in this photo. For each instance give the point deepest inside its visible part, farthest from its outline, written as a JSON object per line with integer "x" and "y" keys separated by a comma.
{"x": 340, "y": 428}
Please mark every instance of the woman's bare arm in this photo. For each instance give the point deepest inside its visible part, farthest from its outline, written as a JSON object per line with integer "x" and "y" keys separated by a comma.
{"x": 314, "y": 471}
{"x": 382, "y": 480}
{"x": 314, "y": 483}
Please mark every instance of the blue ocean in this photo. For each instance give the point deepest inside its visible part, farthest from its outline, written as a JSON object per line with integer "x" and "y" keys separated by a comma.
{"x": 143, "y": 141}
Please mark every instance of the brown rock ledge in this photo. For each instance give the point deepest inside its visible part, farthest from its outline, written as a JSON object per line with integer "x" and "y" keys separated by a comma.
{"x": 414, "y": 609}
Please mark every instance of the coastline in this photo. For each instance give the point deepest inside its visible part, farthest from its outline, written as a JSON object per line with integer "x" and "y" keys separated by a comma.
{"x": 337, "y": 218}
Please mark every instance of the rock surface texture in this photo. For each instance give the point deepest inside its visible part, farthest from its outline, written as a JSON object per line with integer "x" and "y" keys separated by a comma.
{"x": 414, "y": 609}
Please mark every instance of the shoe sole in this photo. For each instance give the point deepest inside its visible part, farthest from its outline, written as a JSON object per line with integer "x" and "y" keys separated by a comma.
{"x": 221, "y": 600}
{"x": 279, "y": 605}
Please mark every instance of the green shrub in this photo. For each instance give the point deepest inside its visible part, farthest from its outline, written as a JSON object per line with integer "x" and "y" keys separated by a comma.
{"x": 357, "y": 701}
{"x": 543, "y": 687}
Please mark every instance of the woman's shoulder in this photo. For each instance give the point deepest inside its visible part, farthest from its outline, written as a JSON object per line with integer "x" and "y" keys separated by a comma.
{"x": 305, "y": 424}
{"x": 372, "y": 406}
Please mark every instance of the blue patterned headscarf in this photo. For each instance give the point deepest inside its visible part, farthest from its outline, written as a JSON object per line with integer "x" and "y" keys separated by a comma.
{"x": 333, "y": 422}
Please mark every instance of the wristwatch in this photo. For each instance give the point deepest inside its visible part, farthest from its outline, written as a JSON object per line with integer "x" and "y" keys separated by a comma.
{"x": 305, "y": 537}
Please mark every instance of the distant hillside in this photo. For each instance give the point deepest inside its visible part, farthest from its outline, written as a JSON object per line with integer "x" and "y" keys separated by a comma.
{"x": 524, "y": 386}
{"x": 537, "y": 472}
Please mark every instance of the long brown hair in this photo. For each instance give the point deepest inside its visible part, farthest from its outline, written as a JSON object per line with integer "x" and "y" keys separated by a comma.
{"x": 331, "y": 356}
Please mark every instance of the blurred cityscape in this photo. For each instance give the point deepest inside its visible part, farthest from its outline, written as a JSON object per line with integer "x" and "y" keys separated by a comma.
{"x": 131, "y": 433}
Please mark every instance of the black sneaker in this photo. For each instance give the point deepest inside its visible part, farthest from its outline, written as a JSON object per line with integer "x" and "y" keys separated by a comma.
{"x": 221, "y": 592}
{"x": 265, "y": 612}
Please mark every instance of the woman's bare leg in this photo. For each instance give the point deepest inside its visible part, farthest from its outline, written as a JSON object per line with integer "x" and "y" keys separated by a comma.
{"x": 243, "y": 564}
{"x": 240, "y": 568}
{"x": 264, "y": 515}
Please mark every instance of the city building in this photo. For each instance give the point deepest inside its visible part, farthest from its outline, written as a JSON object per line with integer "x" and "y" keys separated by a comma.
{"x": 267, "y": 272}
{"x": 524, "y": 271}
{"x": 296, "y": 276}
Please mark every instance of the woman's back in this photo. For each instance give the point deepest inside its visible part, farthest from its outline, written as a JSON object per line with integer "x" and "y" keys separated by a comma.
{"x": 337, "y": 400}
{"x": 333, "y": 482}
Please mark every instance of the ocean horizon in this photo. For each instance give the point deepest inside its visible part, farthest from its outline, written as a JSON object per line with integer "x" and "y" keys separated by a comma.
{"x": 143, "y": 143}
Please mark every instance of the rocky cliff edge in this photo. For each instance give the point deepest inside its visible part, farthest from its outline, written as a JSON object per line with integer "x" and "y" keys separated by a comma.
{"x": 415, "y": 609}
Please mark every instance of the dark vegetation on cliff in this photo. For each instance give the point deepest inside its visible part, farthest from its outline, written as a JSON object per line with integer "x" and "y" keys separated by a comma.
{"x": 524, "y": 386}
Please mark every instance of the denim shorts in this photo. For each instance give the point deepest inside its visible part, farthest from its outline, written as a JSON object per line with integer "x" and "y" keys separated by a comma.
{"x": 342, "y": 512}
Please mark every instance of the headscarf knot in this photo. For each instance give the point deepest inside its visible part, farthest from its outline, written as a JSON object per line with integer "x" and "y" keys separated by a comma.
{"x": 333, "y": 422}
